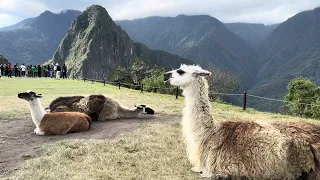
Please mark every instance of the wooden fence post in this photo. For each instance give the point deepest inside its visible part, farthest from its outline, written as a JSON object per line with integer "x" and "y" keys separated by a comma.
{"x": 73, "y": 77}
{"x": 84, "y": 79}
{"x": 119, "y": 84}
{"x": 177, "y": 92}
{"x": 244, "y": 100}
{"x": 92, "y": 80}
{"x": 141, "y": 87}
{"x": 104, "y": 82}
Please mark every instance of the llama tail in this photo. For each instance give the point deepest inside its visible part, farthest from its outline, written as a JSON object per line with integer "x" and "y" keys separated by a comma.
{"x": 89, "y": 120}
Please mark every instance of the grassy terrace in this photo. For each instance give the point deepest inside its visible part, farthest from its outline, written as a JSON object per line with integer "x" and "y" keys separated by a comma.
{"x": 154, "y": 151}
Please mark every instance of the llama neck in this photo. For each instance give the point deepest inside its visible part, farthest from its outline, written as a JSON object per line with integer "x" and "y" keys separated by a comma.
{"x": 124, "y": 112}
{"x": 37, "y": 112}
{"x": 197, "y": 105}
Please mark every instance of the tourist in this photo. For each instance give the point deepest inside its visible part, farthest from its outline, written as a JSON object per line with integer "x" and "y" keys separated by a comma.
{"x": 9, "y": 70}
{"x": 23, "y": 70}
{"x": 39, "y": 71}
{"x": 58, "y": 70}
{"x": 54, "y": 69}
{"x": 35, "y": 71}
{"x": 2, "y": 69}
{"x": 15, "y": 67}
{"x": 64, "y": 71}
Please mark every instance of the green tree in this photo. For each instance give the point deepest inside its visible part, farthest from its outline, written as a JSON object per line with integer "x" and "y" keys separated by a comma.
{"x": 139, "y": 70}
{"x": 155, "y": 79}
{"x": 304, "y": 97}
{"x": 121, "y": 74}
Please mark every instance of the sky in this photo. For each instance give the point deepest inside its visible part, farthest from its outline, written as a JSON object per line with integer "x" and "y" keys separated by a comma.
{"x": 250, "y": 11}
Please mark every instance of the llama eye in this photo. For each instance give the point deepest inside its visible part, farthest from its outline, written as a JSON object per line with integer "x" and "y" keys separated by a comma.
{"x": 180, "y": 72}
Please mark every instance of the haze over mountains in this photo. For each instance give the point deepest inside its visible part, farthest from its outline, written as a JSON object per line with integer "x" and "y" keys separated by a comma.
{"x": 265, "y": 57}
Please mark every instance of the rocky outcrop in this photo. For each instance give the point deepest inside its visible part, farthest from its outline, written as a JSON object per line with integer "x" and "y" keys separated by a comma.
{"x": 3, "y": 60}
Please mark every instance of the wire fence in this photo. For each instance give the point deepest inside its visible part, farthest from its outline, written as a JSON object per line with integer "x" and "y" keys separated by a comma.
{"x": 178, "y": 92}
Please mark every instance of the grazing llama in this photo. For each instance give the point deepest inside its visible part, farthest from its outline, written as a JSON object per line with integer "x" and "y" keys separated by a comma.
{"x": 98, "y": 107}
{"x": 54, "y": 123}
{"x": 242, "y": 149}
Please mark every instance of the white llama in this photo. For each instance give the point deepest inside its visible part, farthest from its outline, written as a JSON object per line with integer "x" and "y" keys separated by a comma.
{"x": 54, "y": 123}
{"x": 242, "y": 149}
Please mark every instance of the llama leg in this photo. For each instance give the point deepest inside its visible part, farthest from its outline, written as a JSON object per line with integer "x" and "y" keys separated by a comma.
{"x": 196, "y": 169}
{"x": 193, "y": 157}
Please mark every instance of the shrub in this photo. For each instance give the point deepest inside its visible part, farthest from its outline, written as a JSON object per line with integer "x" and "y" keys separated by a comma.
{"x": 304, "y": 98}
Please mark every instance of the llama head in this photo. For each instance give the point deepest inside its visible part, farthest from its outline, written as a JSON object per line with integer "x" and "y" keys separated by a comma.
{"x": 185, "y": 75}
{"x": 145, "y": 109}
{"x": 29, "y": 95}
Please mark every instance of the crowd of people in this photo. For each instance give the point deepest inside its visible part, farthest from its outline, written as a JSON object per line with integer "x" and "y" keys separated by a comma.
{"x": 51, "y": 71}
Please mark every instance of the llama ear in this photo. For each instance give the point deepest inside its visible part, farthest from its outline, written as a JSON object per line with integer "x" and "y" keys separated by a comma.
{"x": 202, "y": 73}
{"x": 39, "y": 95}
{"x": 138, "y": 107}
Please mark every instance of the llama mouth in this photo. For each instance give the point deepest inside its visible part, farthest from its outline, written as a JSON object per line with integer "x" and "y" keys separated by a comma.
{"x": 167, "y": 82}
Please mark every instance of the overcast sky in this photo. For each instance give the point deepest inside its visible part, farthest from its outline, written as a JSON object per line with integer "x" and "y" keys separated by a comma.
{"x": 252, "y": 11}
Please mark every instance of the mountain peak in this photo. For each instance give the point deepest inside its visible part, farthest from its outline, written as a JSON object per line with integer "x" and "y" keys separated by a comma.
{"x": 94, "y": 46}
{"x": 95, "y": 8}
{"x": 47, "y": 12}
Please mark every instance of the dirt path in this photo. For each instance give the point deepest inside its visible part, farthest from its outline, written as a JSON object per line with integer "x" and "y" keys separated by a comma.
{"x": 18, "y": 143}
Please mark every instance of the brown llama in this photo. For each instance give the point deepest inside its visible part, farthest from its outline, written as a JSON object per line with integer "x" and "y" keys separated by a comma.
{"x": 54, "y": 123}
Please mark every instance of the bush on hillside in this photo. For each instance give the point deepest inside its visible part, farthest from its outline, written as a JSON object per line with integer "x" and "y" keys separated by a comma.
{"x": 304, "y": 98}
{"x": 154, "y": 83}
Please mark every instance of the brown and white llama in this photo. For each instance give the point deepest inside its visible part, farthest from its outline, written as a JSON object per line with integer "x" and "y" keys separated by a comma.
{"x": 98, "y": 107}
{"x": 242, "y": 149}
{"x": 54, "y": 123}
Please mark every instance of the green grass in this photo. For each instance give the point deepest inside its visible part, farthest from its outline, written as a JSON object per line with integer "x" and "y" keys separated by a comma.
{"x": 11, "y": 107}
{"x": 155, "y": 151}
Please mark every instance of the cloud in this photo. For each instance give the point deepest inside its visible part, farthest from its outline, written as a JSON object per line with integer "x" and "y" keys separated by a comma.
{"x": 6, "y": 19}
{"x": 253, "y": 11}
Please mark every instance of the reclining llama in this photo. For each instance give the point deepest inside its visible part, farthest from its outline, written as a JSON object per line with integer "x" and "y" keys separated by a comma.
{"x": 237, "y": 149}
{"x": 98, "y": 107}
{"x": 56, "y": 122}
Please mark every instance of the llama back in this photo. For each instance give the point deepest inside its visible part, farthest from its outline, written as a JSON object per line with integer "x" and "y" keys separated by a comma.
{"x": 64, "y": 101}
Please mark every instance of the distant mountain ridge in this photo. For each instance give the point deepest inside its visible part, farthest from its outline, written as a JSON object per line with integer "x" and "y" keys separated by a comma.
{"x": 291, "y": 50}
{"x": 201, "y": 38}
{"x": 34, "y": 40}
{"x": 250, "y": 32}
{"x": 94, "y": 46}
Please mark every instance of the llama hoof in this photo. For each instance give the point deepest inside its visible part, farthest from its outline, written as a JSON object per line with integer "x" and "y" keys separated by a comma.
{"x": 223, "y": 177}
{"x": 39, "y": 132}
{"x": 206, "y": 174}
{"x": 196, "y": 169}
